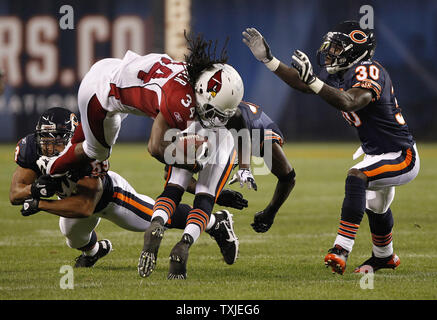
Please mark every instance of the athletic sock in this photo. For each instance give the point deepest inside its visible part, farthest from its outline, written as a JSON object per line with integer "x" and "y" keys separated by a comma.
{"x": 167, "y": 202}
{"x": 93, "y": 250}
{"x": 381, "y": 226}
{"x": 352, "y": 212}
{"x": 199, "y": 217}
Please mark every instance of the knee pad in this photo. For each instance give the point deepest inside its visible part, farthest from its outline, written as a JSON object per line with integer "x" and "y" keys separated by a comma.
{"x": 379, "y": 201}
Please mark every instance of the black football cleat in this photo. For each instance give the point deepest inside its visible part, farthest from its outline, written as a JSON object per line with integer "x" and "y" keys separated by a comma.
{"x": 84, "y": 261}
{"x": 336, "y": 259}
{"x": 179, "y": 257}
{"x": 223, "y": 233}
{"x": 374, "y": 264}
{"x": 152, "y": 241}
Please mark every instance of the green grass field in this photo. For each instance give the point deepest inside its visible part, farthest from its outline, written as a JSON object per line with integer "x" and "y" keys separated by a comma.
{"x": 286, "y": 263}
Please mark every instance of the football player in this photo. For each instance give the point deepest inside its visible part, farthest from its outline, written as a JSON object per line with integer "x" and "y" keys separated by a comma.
{"x": 270, "y": 139}
{"x": 218, "y": 91}
{"x": 358, "y": 86}
{"x": 250, "y": 117}
{"x": 154, "y": 86}
{"x": 95, "y": 193}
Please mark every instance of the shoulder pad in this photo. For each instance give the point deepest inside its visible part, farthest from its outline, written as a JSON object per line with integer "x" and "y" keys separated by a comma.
{"x": 26, "y": 153}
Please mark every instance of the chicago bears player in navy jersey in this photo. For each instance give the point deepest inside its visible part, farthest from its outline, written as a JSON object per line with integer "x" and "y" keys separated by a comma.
{"x": 270, "y": 139}
{"x": 352, "y": 82}
{"x": 95, "y": 193}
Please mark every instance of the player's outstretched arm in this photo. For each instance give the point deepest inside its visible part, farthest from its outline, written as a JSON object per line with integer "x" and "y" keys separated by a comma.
{"x": 261, "y": 51}
{"x": 283, "y": 170}
{"x": 21, "y": 183}
{"x": 350, "y": 100}
{"x": 80, "y": 205}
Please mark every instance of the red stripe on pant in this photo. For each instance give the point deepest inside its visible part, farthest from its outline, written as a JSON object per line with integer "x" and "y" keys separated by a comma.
{"x": 96, "y": 115}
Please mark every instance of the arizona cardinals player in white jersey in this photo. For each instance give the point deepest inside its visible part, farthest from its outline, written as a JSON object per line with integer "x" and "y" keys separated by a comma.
{"x": 153, "y": 85}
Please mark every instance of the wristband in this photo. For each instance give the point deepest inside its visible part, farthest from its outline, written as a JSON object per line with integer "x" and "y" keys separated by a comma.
{"x": 273, "y": 64}
{"x": 316, "y": 85}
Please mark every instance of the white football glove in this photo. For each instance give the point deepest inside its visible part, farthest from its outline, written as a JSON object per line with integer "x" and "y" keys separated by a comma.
{"x": 257, "y": 44}
{"x": 42, "y": 163}
{"x": 303, "y": 66}
{"x": 244, "y": 176}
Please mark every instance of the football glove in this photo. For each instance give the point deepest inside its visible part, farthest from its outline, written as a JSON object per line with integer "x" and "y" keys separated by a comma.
{"x": 244, "y": 176}
{"x": 30, "y": 206}
{"x": 262, "y": 221}
{"x": 303, "y": 66}
{"x": 257, "y": 44}
{"x": 42, "y": 163}
{"x": 202, "y": 158}
{"x": 45, "y": 187}
{"x": 232, "y": 199}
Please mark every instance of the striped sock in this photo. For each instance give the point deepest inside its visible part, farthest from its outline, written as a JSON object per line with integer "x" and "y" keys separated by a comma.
{"x": 197, "y": 222}
{"x": 164, "y": 207}
{"x": 381, "y": 226}
{"x": 346, "y": 234}
{"x": 382, "y": 245}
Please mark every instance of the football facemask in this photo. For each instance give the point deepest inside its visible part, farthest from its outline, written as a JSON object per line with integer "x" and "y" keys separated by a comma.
{"x": 54, "y": 131}
{"x": 211, "y": 116}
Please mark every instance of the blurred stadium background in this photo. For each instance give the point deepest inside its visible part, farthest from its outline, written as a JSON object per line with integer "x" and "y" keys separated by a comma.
{"x": 44, "y": 63}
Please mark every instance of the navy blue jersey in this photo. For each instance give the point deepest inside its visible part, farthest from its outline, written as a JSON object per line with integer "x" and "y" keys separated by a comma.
{"x": 26, "y": 153}
{"x": 256, "y": 119}
{"x": 380, "y": 125}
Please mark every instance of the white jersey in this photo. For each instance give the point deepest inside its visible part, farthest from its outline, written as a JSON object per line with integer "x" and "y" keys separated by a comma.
{"x": 145, "y": 85}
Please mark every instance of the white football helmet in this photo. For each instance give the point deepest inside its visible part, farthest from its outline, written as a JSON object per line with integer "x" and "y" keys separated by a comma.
{"x": 219, "y": 91}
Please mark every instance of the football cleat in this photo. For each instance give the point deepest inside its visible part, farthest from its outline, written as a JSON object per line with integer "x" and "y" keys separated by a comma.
{"x": 223, "y": 233}
{"x": 152, "y": 241}
{"x": 179, "y": 257}
{"x": 84, "y": 261}
{"x": 374, "y": 263}
{"x": 336, "y": 259}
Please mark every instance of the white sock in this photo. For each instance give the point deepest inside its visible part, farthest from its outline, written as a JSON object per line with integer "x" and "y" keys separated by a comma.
{"x": 383, "y": 252}
{"x": 193, "y": 230}
{"x": 211, "y": 222}
{"x": 93, "y": 250}
{"x": 160, "y": 213}
{"x": 344, "y": 242}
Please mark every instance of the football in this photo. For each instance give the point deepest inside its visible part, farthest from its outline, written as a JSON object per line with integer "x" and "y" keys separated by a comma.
{"x": 190, "y": 147}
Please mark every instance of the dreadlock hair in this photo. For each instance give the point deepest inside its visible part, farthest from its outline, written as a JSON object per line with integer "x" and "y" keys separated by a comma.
{"x": 202, "y": 55}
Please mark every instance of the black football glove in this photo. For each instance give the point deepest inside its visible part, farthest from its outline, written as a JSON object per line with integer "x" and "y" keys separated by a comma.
{"x": 30, "y": 206}
{"x": 262, "y": 221}
{"x": 232, "y": 199}
{"x": 45, "y": 186}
